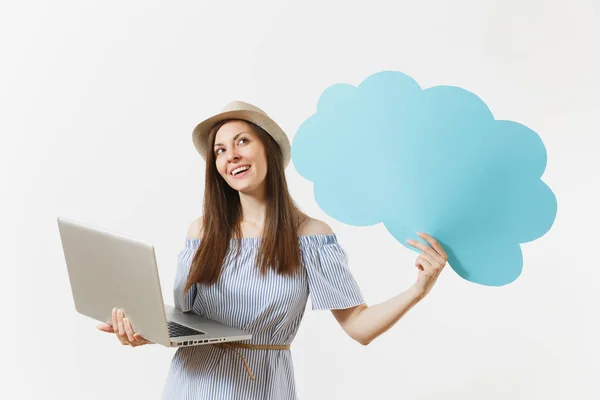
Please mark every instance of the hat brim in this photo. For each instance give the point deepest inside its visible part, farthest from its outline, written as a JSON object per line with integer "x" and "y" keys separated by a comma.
{"x": 201, "y": 131}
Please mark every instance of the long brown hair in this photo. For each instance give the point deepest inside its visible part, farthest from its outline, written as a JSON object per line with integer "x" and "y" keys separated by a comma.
{"x": 279, "y": 248}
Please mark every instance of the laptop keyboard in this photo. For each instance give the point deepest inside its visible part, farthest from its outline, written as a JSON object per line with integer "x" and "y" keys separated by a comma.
{"x": 176, "y": 330}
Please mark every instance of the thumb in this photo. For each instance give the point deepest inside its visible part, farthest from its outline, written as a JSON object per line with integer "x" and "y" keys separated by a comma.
{"x": 105, "y": 328}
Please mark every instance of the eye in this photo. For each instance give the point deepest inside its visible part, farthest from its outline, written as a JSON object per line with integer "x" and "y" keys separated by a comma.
{"x": 242, "y": 140}
{"x": 218, "y": 151}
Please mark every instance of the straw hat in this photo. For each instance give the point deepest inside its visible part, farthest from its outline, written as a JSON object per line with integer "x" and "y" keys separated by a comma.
{"x": 246, "y": 112}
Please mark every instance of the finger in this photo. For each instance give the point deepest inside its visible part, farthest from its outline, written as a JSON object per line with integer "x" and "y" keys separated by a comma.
{"x": 417, "y": 244}
{"x": 426, "y": 249}
{"x": 134, "y": 338}
{"x": 114, "y": 321}
{"x": 120, "y": 323}
{"x": 115, "y": 326}
{"x": 435, "y": 266}
{"x": 120, "y": 331}
{"x": 434, "y": 243}
{"x": 423, "y": 264}
{"x": 141, "y": 340}
{"x": 129, "y": 331}
{"x": 426, "y": 258}
{"x": 105, "y": 328}
{"x": 435, "y": 257}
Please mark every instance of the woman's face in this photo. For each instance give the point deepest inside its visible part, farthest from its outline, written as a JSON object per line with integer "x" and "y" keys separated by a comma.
{"x": 240, "y": 156}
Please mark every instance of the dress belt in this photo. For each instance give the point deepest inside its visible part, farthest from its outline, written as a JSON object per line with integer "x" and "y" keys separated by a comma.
{"x": 233, "y": 346}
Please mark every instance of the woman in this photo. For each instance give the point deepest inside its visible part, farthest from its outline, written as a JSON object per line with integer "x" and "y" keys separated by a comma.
{"x": 253, "y": 260}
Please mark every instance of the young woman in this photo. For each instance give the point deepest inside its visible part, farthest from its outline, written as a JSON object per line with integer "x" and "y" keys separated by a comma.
{"x": 253, "y": 259}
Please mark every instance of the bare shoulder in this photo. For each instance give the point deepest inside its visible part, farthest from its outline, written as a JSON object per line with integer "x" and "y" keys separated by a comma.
{"x": 195, "y": 229}
{"x": 313, "y": 226}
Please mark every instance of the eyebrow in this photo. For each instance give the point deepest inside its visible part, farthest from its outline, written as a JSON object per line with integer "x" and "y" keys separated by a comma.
{"x": 234, "y": 138}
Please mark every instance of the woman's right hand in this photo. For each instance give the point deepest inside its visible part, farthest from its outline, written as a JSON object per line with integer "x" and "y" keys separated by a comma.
{"x": 123, "y": 329}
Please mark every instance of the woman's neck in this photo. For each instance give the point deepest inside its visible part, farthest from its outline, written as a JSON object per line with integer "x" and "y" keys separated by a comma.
{"x": 253, "y": 211}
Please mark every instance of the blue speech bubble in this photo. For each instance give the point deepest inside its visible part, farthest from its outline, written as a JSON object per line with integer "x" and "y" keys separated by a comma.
{"x": 432, "y": 160}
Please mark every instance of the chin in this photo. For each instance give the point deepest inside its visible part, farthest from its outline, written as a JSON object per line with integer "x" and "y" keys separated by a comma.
{"x": 246, "y": 188}
{"x": 245, "y": 185}
{"x": 242, "y": 186}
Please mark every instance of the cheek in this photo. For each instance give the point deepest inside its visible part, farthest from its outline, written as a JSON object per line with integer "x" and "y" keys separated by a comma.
{"x": 263, "y": 167}
{"x": 221, "y": 168}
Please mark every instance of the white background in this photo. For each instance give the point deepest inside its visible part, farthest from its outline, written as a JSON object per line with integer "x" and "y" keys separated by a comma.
{"x": 98, "y": 101}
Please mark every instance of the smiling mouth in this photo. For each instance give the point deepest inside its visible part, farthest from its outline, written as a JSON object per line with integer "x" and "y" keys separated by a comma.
{"x": 239, "y": 171}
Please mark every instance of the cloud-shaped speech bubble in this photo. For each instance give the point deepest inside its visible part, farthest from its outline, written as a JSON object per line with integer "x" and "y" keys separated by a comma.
{"x": 432, "y": 160}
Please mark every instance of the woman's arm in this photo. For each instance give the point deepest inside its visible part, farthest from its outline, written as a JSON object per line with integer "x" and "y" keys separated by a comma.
{"x": 364, "y": 323}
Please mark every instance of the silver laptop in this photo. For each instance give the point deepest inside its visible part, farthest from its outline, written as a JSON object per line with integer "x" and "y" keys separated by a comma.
{"x": 108, "y": 270}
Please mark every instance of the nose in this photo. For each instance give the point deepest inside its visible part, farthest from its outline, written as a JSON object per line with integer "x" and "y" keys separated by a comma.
{"x": 233, "y": 156}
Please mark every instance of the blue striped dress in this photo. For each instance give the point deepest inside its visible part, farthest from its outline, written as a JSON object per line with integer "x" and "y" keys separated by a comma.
{"x": 270, "y": 307}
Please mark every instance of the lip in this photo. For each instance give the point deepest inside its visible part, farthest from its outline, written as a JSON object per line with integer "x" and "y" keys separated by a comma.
{"x": 238, "y": 166}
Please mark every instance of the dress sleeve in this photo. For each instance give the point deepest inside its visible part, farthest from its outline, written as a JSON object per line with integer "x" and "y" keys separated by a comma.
{"x": 185, "y": 301}
{"x": 330, "y": 282}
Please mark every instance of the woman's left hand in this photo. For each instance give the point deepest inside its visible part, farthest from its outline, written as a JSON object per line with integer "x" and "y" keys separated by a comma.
{"x": 430, "y": 263}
